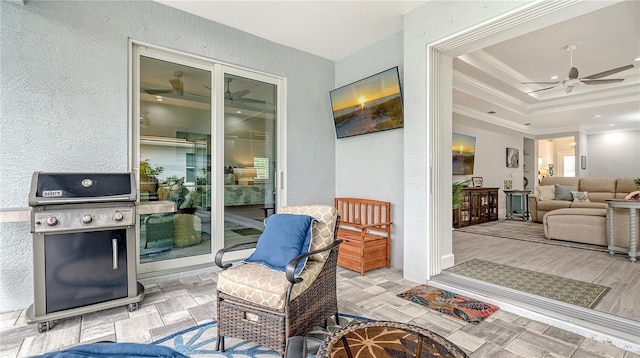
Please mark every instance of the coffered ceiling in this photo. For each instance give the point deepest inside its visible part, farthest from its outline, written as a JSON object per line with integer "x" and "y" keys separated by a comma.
{"x": 488, "y": 83}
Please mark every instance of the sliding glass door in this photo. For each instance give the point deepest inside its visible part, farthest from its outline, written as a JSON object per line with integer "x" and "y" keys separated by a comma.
{"x": 204, "y": 146}
{"x": 250, "y": 162}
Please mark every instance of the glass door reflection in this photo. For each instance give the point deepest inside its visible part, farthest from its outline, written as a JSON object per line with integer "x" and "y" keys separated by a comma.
{"x": 250, "y": 160}
{"x": 175, "y": 161}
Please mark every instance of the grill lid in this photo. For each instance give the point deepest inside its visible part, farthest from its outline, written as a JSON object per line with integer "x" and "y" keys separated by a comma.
{"x": 65, "y": 188}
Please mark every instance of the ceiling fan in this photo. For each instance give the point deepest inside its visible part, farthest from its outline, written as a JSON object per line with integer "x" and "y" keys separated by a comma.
{"x": 574, "y": 80}
{"x": 239, "y": 95}
{"x": 177, "y": 86}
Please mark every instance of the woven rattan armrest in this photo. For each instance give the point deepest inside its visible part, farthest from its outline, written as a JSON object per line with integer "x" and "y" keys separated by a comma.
{"x": 291, "y": 266}
{"x": 224, "y": 250}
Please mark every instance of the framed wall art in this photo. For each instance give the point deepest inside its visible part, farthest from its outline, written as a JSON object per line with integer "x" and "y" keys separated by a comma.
{"x": 463, "y": 151}
{"x": 478, "y": 182}
{"x": 513, "y": 158}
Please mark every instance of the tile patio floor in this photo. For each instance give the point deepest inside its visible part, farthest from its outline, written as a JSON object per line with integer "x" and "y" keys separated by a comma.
{"x": 171, "y": 305}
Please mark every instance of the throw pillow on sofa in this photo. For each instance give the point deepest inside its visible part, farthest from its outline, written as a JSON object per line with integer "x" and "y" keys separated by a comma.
{"x": 563, "y": 192}
{"x": 547, "y": 192}
{"x": 580, "y": 196}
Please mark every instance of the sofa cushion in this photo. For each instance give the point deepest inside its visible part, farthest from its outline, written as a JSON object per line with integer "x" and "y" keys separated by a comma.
{"x": 598, "y": 184}
{"x": 579, "y": 225}
{"x": 580, "y": 196}
{"x": 624, "y": 186}
{"x": 547, "y": 192}
{"x": 563, "y": 192}
{"x": 547, "y": 205}
{"x": 568, "y": 181}
{"x": 588, "y": 205}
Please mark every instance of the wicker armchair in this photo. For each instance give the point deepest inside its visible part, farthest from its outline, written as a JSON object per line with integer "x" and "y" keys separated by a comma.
{"x": 267, "y": 306}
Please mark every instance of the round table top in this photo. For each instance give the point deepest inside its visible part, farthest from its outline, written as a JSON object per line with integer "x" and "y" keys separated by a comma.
{"x": 381, "y": 339}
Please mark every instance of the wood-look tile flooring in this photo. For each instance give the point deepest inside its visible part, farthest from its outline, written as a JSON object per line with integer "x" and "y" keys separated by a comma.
{"x": 174, "y": 304}
{"x": 616, "y": 272}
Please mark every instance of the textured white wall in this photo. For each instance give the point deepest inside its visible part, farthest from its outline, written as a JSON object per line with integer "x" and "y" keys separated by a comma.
{"x": 614, "y": 154}
{"x": 370, "y": 166}
{"x": 64, "y": 81}
{"x": 490, "y": 160}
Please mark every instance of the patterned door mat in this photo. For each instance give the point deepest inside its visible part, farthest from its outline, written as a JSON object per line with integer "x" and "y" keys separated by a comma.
{"x": 452, "y": 304}
{"x": 558, "y": 288}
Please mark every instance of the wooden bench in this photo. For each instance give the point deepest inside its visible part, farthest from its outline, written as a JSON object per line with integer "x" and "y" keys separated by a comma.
{"x": 365, "y": 227}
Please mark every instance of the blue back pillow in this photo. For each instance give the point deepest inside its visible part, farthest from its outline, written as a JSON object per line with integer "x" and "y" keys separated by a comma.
{"x": 285, "y": 236}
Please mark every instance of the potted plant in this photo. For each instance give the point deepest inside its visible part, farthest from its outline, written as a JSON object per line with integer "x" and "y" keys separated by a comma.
{"x": 148, "y": 179}
{"x": 457, "y": 199}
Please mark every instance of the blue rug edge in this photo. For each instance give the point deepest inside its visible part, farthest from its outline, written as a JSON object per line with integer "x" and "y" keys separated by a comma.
{"x": 213, "y": 323}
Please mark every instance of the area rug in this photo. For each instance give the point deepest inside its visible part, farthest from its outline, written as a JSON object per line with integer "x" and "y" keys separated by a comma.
{"x": 567, "y": 290}
{"x": 449, "y": 303}
{"x": 523, "y": 231}
{"x": 200, "y": 341}
{"x": 247, "y": 231}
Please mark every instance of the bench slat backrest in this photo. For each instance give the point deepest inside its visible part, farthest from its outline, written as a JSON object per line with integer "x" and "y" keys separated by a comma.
{"x": 356, "y": 212}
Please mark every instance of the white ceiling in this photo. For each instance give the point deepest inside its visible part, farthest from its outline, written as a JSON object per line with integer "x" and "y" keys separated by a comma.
{"x": 485, "y": 80}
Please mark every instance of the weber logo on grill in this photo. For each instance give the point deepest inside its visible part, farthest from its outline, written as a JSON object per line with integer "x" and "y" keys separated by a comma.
{"x": 52, "y": 193}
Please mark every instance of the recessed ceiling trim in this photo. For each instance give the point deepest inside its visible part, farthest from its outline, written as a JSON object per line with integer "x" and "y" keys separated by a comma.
{"x": 470, "y": 85}
{"x": 497, "y": 68}
{"x": 493, "y": 119}
{"x": 587, "y": 102}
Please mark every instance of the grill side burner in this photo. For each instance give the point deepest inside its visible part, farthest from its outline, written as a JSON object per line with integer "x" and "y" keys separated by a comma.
{"x": 83, "y": 227}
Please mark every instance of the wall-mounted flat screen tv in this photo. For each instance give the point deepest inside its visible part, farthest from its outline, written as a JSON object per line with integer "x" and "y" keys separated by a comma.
{"x": 369, "y": 105}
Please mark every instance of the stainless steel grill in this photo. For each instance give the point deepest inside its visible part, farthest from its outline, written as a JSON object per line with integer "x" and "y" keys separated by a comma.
{"x": 83, "y": 227}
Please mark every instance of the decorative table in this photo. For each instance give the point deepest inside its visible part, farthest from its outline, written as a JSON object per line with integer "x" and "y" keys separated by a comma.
{"x": 380, "y": 339}
{"x": 523, "y": 195}
{"x": 633, "y": 206}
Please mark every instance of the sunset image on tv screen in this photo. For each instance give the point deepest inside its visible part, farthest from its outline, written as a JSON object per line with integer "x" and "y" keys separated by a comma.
{"x": 369, "y": 105}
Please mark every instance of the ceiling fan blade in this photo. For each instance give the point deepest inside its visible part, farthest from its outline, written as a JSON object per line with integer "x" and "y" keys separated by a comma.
{"x": 541, "y": 83}
{"x": 568, "y": 89}
{"x": 249, "y": 100}
{"x": 573, "y": 73}
{"x": 542, "y": 89}
{"x": 601, "y": 82}
{"x": 608, "y": 73}
{"x": 239, "y": 94}
{"x": 156, "y": 92}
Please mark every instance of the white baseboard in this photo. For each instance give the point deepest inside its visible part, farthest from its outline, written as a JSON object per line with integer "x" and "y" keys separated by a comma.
{"x": 447, "y": 261}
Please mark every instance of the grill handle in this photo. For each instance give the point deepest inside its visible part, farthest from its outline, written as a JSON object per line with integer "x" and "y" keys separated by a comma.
{"x": 114, "y": 250}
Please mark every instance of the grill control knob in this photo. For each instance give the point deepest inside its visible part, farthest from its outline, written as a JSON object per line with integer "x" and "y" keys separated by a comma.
{"x": 86, "y": 219}
{"x": 118, "y": 216}
{"x": 51, "y": 221}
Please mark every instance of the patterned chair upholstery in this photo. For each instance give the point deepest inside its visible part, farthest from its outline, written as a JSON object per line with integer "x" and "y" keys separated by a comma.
{"x": 267, "y": 306}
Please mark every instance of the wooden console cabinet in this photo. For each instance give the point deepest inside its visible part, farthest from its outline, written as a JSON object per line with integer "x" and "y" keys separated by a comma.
{"x": 479, "y": 205}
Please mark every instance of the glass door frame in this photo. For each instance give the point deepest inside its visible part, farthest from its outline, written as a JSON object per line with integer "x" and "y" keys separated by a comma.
{"x": 280, "y": 118}
{"x": 217, "y": 69}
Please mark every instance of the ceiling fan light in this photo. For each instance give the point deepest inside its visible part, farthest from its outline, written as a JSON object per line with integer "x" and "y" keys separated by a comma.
{"x": 554, "y": 77}
{"x": 637, "y": 59}
{"x": 597, "y": 115}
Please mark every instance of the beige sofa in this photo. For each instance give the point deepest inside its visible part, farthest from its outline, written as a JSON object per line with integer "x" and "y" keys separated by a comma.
{"x": 585, "y": 221}
{"x": 598, "y": 190}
